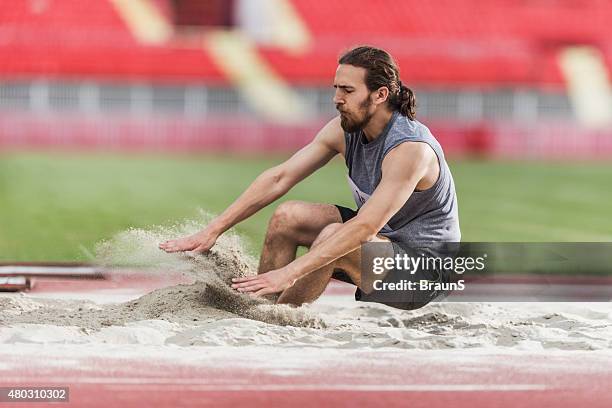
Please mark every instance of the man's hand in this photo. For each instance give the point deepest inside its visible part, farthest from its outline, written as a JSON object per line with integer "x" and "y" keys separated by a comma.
{"x": 200, "y": 242}
{"x": 266, "y": 283}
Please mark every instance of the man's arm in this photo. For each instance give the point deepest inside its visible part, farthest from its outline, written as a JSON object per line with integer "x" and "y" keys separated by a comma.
{"x": 267, "y": 187}
{"x": 402, "y": 169}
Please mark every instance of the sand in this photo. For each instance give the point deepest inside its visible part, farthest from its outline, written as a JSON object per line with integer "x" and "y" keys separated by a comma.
{"x": 207, "y": 312}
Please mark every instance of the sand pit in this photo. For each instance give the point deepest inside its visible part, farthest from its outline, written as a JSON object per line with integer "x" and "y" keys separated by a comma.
{"x": 207, "y": 312}
{"x": 207, "y": 298}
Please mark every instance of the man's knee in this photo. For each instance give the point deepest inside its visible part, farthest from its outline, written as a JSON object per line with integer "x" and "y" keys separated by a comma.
{"x": 326, "y": 232}
{"x": 286, "y": 215}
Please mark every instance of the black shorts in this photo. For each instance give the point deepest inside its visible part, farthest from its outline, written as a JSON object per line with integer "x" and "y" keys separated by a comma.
{"x": 421, "y": 300}
{"x": 346, "y": 213}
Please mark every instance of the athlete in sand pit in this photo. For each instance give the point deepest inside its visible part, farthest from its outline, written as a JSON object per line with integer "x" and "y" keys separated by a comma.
{"x": 401, "y": 183}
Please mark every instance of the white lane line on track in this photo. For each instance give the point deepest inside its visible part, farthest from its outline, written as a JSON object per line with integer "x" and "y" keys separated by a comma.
{"x": 49, "y": 270}
{"x": 349, "y": 387}
{"x": 191, "y": 385}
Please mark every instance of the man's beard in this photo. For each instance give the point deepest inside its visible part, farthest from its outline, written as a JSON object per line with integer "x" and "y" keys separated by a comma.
{"x": 352, "y": 126}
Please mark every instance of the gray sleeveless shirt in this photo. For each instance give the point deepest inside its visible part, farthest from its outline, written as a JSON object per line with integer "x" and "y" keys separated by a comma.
{"x": 427, "y": 216}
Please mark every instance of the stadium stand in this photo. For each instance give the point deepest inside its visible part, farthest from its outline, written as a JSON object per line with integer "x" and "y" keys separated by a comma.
{"x": 73, "y": 39}
{"x": 463, "y": 42}
{"x": 479, "y": 68}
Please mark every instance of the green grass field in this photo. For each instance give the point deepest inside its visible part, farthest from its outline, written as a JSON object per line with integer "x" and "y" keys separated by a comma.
{"x": 54, "y": 206}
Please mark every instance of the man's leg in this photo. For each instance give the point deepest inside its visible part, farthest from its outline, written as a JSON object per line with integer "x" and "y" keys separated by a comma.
{"x": 308, "y": 288}
{"x": 293, "y": 224}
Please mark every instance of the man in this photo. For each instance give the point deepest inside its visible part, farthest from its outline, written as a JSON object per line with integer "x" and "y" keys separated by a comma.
{"x": 401, "y": 183}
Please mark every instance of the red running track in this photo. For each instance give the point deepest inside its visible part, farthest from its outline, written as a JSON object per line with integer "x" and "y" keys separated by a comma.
{"x": 241, "y": 376}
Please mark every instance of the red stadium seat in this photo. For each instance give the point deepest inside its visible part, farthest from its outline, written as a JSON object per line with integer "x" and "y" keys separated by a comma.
{"x": 72, "y": 38}
{"x": 452, "y": 42}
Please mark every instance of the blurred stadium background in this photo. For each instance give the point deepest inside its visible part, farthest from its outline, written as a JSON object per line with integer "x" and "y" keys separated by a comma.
{"x": 129, "y": 113}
